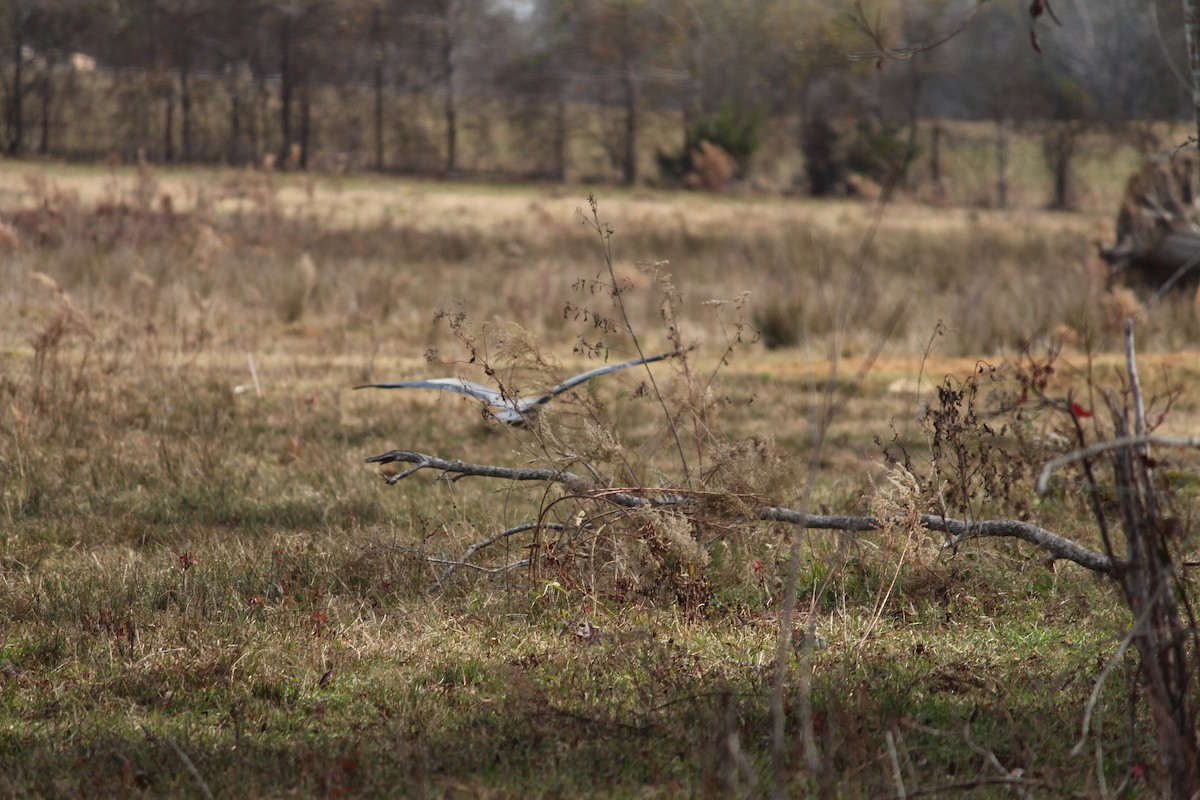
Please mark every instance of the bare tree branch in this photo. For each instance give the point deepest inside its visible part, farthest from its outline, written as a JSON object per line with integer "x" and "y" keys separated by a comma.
{"x": 451, "y": 566}
{"x": 1085, "y": 727}
{"x": 1043, "y": 481}
{"x": 874, "y": 31}
{"x": 958, "y": 531}
{"x": 453, "y": 470}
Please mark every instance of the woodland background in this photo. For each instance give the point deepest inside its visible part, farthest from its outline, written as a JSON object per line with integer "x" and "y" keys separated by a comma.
{"x": 593, "y": 90}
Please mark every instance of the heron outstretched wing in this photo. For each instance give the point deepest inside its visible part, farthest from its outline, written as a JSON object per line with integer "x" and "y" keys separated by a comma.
{"x": 464, "y": 387}
{"x": 571, "y": 383}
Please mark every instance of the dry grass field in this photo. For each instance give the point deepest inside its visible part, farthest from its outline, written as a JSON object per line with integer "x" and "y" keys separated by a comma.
{"x": 204, "y": 591}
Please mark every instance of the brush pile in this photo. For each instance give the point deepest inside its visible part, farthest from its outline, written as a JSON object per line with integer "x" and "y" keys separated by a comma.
{"x": 1158, "y": 227}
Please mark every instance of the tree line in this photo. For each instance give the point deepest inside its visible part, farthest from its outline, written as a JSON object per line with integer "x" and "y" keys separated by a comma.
{"x": 520, "y": 87}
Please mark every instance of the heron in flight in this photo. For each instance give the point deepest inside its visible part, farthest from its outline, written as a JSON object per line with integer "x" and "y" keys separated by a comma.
{"x": 506, "y": 409}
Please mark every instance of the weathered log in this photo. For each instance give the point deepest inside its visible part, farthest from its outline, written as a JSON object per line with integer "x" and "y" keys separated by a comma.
{"x": 1153, "y": 265}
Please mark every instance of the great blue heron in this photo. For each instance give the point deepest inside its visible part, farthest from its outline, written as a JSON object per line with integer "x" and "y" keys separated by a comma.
{"x": 508, "y": 410}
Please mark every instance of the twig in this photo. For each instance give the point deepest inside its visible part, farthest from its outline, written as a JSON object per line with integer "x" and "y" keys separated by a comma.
{"x": 606, "y": 247}
{"x": 524, "y": 562}
{"x": 1043, "y": 481}
{"x": 903, "y": 52}
{"x": 254, "y": 373}
{"x": 990, "y": 757}
{"x": 394, "y": 479}
{"x": 475, "y": 548}
{"x": 256, "y": 385}
{"x": 1013, "y": 779}
{"x": 1135, "y": 385}
{"x": 187, "y": 762}
{"x": 962, "y": 786}
{"x": 1100, "y": 779}
{"x": 1095, "y": 696}
{"x": 897, "y": 777}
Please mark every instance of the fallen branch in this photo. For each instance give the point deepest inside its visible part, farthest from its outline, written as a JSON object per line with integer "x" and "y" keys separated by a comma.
{"x": 958, "y": 531}
{"x": 1043, "y": 481}
{"x": 453, "y": 564}
{"x": 454, "y": 470}
{"x": 966, "y": 786}
{"x": 475, "y": 548}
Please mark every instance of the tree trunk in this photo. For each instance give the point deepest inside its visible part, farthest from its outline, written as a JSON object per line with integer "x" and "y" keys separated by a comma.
{"x": 260, "y": 137}
{"x": 377, "y": 76}
{"x": 305, "y": 125}
{"x": 44, "y": 144}
{"x": 1062, "y": 181}
{"x": 629, "y": 85}
{"x": 16, "y": 123}
{"x": 286, "y": 88}
{"x": 450, "y": 111}
{"x": 233, "y": 150}
{"x": 185, "y": 111}
{"x": 1059, "y": 145}
{"x": 1001, "y": 164}
{"x": 916, "y": 91}
{"x": 1191, "y": 26}
{"x": 169, "y": 126}
{"x": 935, "y": 154}
{"x": 560, "y": 135}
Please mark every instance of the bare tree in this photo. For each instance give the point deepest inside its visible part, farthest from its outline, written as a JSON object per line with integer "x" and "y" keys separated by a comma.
{"x": 304, "y": 31}
{"x": 625, "y": 43}
{"x": 18, "y": 17}
{"x": 52, "y": 30}
{"x": 546, "y": 77}
{"x": 180, "y": 32}
{"x": 377, "y": 64}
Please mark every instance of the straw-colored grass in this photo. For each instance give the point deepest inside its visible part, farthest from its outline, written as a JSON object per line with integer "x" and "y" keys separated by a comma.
{"x": 201, "y": 582}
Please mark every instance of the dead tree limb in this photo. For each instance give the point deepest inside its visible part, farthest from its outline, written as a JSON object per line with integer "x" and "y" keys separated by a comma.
{"x": 451, "y": 566}
{"x": 958, "y": 531}
{"x": 1118, "y": 443}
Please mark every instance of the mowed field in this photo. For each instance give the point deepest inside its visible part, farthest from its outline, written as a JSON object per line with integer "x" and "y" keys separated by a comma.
{"x": 205, "y": 591}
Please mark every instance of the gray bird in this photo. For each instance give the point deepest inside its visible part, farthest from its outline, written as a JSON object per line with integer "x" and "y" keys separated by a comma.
{"x": 506, "y": 409}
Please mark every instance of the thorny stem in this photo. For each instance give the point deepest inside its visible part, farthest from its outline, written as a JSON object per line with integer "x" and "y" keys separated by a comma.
{"x": 606, "y": 247}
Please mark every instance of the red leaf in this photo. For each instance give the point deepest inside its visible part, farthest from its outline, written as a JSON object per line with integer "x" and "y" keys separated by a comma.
{"x": 1080, "y": 411}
